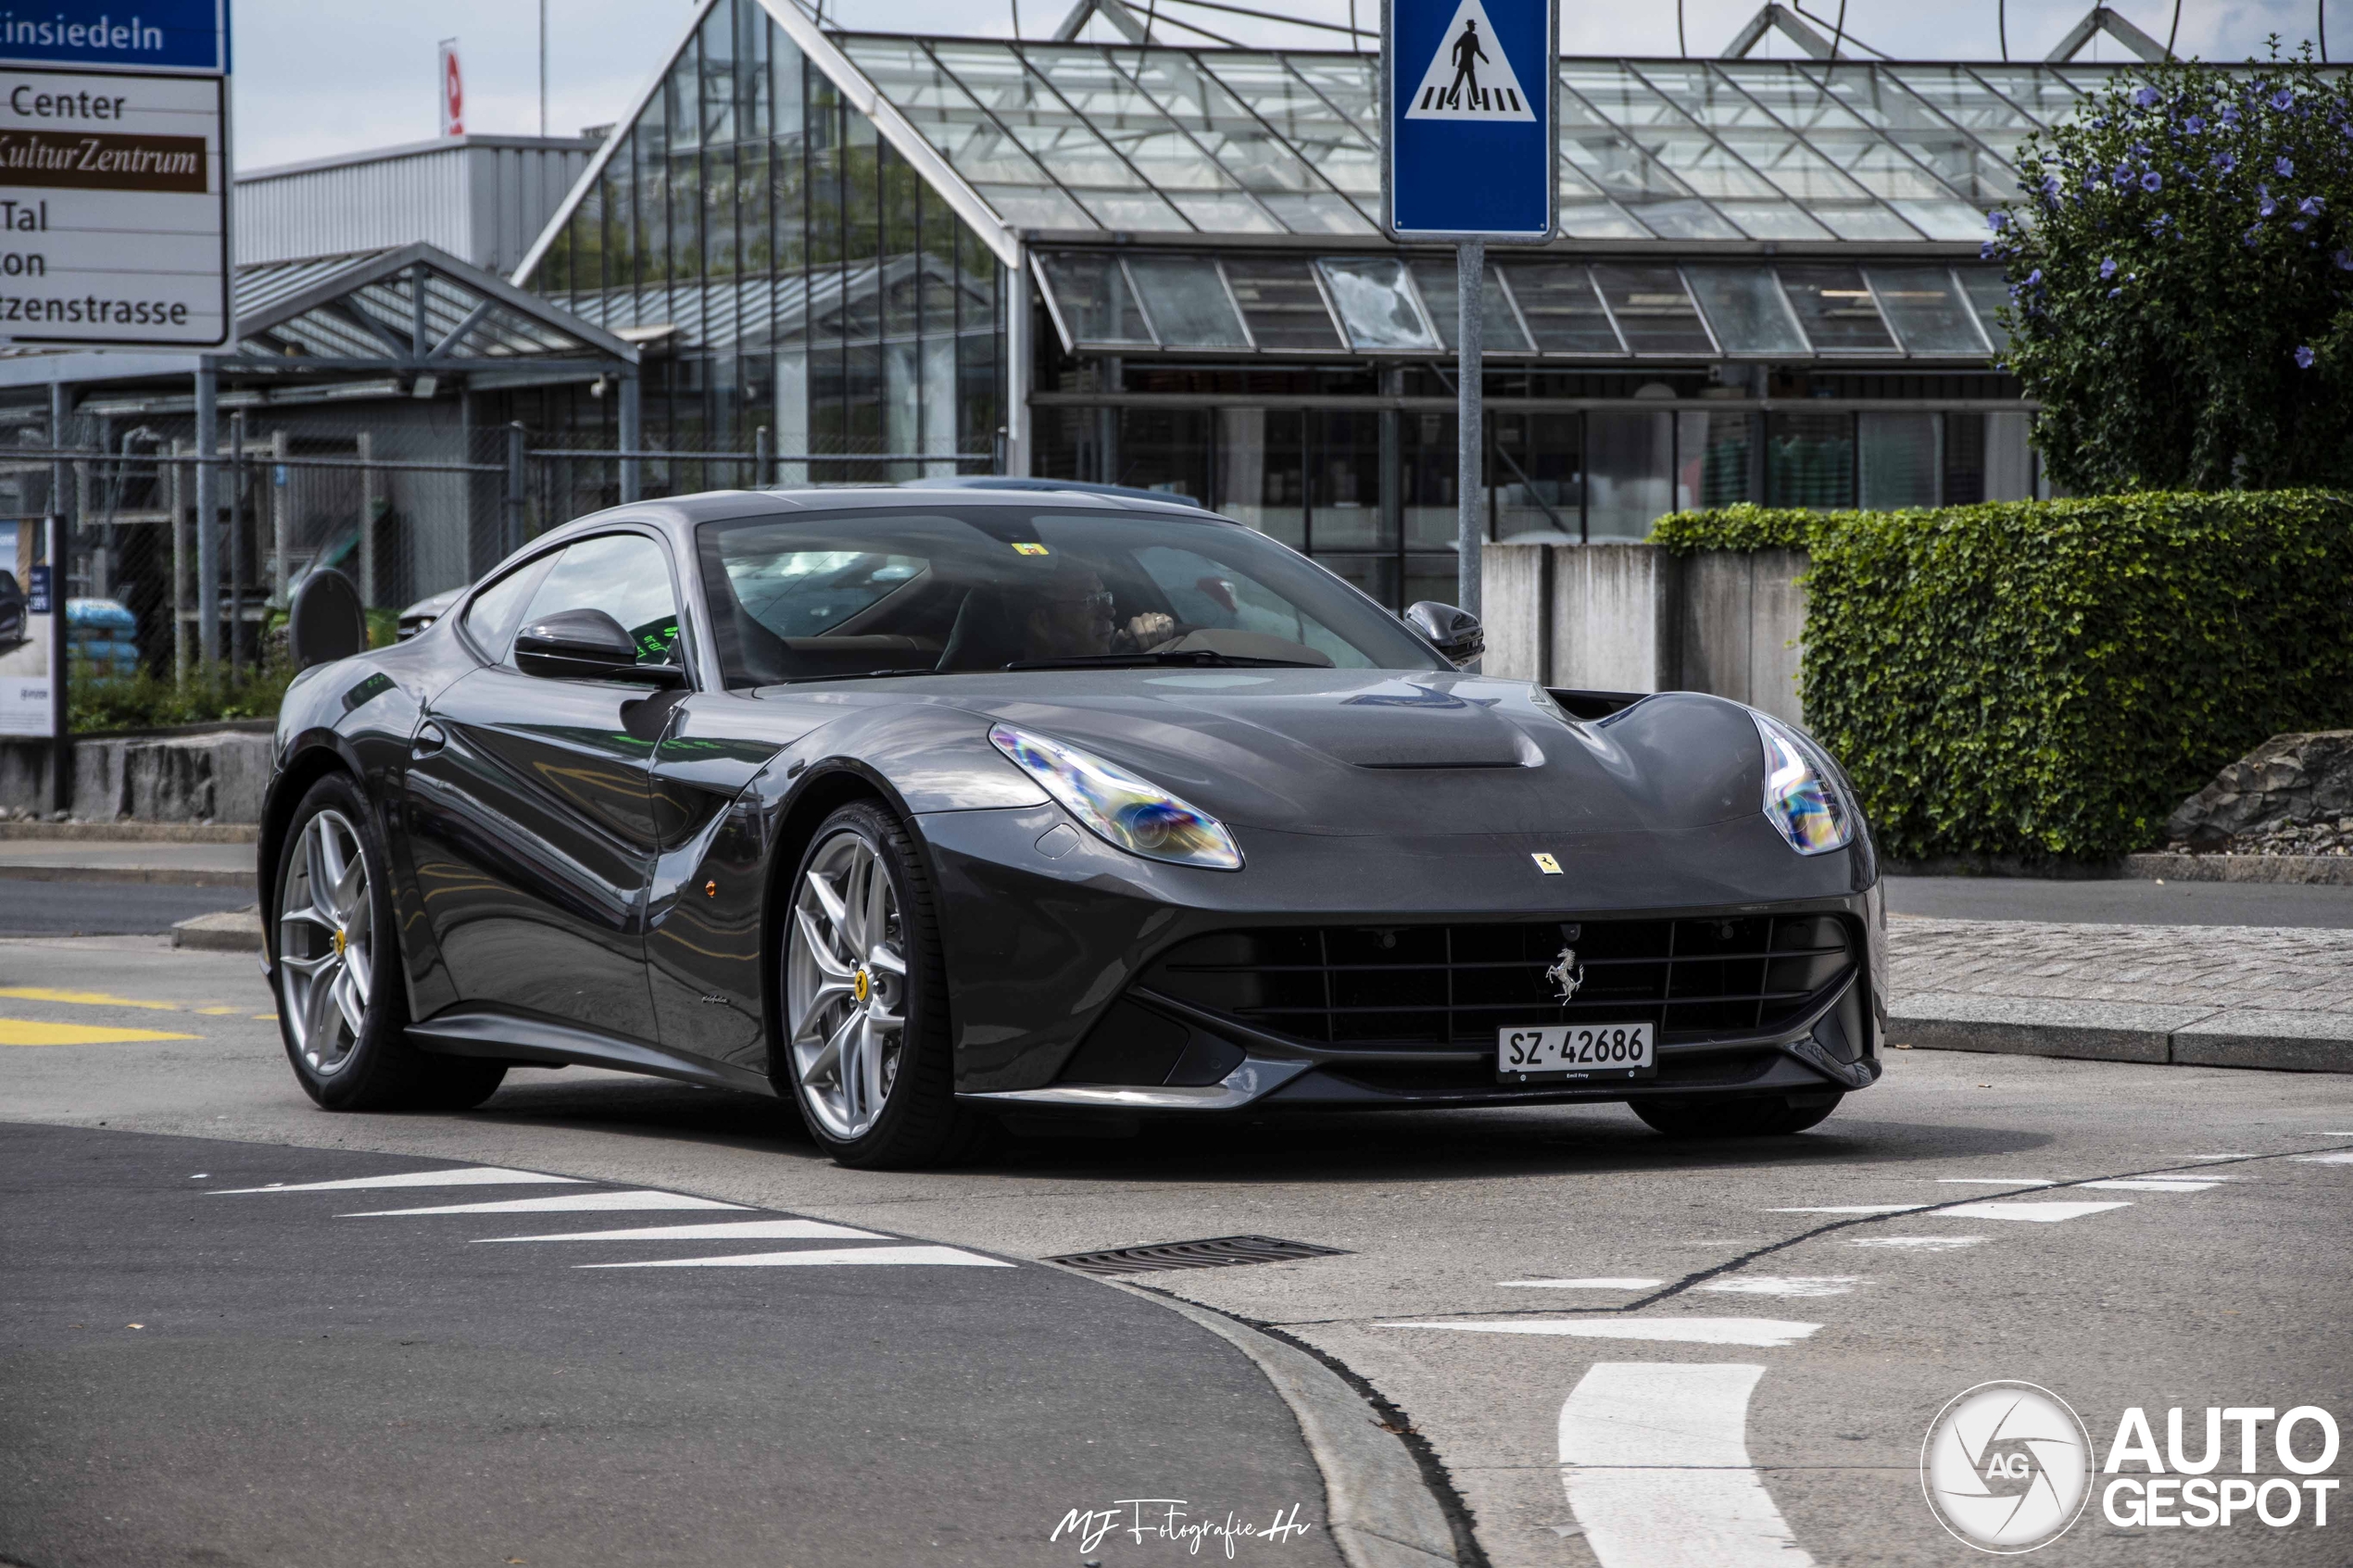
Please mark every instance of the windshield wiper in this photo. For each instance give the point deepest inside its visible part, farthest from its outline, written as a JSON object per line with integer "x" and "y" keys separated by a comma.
{"x": 853, "y": 675}
{"x": 1145, "y": 660}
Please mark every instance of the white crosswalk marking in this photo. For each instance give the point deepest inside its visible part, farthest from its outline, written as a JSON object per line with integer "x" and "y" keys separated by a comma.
{"x": 470, "y": 1176}
{"x": 1785, "y": 1285}
{"x": 571, "y": 1203}
{"x": 1654, "y": 1460}
{"x": 725, "y": 1230}
{"x": 2150, "y": 1184}
{"x": 818, "y": 1257}
{"x": 2041, "y": 1213}
{"x": 1768, "y": 1333}
{"x": 1921, "y": 1243}
{"x": 2343, "y": 1156}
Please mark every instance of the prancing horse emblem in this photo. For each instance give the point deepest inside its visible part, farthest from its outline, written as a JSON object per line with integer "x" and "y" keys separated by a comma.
{"x": 1567, "y": 974}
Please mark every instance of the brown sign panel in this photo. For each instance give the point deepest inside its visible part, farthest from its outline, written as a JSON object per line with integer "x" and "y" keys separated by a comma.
{"x": 103, "y": 162}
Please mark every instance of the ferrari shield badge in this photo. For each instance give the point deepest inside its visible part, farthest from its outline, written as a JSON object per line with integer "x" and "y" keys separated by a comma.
{"x": 1546, "y": 864}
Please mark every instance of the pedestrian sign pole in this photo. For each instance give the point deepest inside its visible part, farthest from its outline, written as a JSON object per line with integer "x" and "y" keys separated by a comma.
{"x": 1469, "y": 92}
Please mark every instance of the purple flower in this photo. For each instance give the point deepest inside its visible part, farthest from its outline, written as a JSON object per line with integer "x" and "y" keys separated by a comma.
{"x": 2268, "y": 206}
{"x": 2145, "y": 98}
{"x": 2194, "y": 125}
{"x": 2304, "y": 358}
{"x": 1997, "y": 221}
{"x": 2344, "y": 259}
{"x": 2297, "y": 225}
{"x": 2230, "y": 114}
{"x": 2034, "y": 277}
{"x": 1986, "y": 250}
{"x": 2282, "y": 98}
{"x": 2108, "y": 268}
{"x": 2284, "y": 168}
{"x": 2123, "y": 175}
{"x": 2051, "y": 186}
{"x": 2309, "y": 206}
{"x": 2152, "y": 182}
{"x": 2225, "y": 162}
{"x": 2113, "y": 294}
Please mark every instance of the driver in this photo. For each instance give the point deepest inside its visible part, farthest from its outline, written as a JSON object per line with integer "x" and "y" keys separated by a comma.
{"x": 1072, "y": 615}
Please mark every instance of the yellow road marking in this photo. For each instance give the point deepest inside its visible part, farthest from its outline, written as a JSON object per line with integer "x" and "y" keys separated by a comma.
{"x": 26, "y": 1031}
{"x": 89, "y": 999}
{"x": 222, "y": 1012}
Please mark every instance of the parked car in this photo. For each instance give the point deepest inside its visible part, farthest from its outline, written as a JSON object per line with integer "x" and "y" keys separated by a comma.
{"x": 424, "y": 612}
{"x": 920, "y": 809}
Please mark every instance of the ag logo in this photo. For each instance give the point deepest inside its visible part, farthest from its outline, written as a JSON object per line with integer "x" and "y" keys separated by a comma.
{"x": 2007, "y": 1467}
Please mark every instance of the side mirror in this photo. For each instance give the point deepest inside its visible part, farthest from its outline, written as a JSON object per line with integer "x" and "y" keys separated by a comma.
{"x": 587, "y": 644}
{"x": 326, "y": 620}
{"x": 1454, "y": 633}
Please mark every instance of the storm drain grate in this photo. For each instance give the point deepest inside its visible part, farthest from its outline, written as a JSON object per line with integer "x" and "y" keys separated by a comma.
{"x": 1219, "y": 1252}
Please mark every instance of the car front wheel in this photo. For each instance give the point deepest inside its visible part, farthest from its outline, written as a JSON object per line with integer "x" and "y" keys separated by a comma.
{"x": 865, "y": 1004}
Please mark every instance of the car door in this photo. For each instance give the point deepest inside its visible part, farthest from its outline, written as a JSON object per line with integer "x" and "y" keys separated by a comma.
{"x": 531, "y": 823}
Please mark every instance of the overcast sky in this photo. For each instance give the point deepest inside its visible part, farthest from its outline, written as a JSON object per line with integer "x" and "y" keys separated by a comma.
{"x": 320, "y": 77}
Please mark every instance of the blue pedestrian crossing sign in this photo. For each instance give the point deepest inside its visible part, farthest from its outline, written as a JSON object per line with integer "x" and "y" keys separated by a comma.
{"x": 1467, "y": 114}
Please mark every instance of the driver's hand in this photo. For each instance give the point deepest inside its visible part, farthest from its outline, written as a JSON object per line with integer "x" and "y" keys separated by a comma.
{"x": 1152, "y": 627}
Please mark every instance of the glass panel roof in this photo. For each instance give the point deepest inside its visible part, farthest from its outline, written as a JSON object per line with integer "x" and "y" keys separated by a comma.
{"x": 1087, "y": 137}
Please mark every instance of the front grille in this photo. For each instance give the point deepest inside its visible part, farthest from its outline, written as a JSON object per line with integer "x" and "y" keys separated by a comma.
{"x": 1420, "y": 986}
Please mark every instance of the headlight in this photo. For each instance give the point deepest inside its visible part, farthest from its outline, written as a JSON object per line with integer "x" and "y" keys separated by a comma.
{"x": 1135, "y": 814}
{"x": 1801, "y": 799}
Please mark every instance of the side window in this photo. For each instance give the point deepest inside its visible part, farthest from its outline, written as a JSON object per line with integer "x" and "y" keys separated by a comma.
{"x": 497, "y": 612}
{"x": 627, "y": 576}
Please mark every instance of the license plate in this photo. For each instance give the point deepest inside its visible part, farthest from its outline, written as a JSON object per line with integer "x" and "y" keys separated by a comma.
{"x": 1576, "y": 1051}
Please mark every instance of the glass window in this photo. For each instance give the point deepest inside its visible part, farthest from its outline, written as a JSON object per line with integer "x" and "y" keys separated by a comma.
{"x": 1539, "y": 474}
{"x": 1261, "y": 477}
{"x": 1964, "y": 460}
{"x": 1499, "y": 329}
{"x": 1344, "y": 484}
{"x": 1557, "y": 300}
{"x": 1187, "y": 302}
{"x": 1092, "y": 300}
{"x": 1712, "y": 459}
{"x": 1989, "y": 292}
{"x": 1628, "y": 460}
{"x": 1836, "y": 307}
{"x": 1282, "y": 303}
{"x": 1745, "y": 307}
{"x": 627, "y": 576}
{"x": 1653, "y": 312}
{"x": 968, "y": 589}
{"x": 1926, "y": 309}
{"x": 1377, "y": 303}
{"x": 1896, "y": 459}
{"x": 1809, "y": 461}
{"x": 491, "y": 619}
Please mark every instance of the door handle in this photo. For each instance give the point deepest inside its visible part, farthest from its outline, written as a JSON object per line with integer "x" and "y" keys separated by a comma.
{"x": 430, "y": 738}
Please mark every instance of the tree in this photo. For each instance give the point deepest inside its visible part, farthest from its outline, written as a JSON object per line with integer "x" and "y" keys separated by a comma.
{"x": 2182, "y": 293}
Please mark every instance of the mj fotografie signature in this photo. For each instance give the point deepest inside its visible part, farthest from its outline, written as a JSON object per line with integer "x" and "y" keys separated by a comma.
{"x": 1172, "y": 1518}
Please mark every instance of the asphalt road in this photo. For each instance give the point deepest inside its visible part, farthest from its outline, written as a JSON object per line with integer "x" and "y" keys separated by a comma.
{"x": 2120, "y": 902}
{"x": 1752, "y": 1388}
{"x": 106, "y": 908}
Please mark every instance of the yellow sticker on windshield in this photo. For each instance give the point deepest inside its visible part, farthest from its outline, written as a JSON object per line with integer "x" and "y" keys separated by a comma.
{"x": 1028, "y": 548}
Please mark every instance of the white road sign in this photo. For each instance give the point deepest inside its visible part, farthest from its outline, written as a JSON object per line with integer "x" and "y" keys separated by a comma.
{"x": 114, "y": 208}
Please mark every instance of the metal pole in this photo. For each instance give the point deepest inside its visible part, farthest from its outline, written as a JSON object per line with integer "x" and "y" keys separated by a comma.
{"x": 281, "y": 516}
{"x": 180, "y": 628}
{"x": 60, "y": 531}
{"x": 764, "y": 458}
{"x": 543, "y": 67}
{"x": 236, "y": 537}
{"x": 1470, "y": 267}
{"x": 367, "y": 519}
{"x": 631, "y": 483}
{"x": 515, "y": 486}
{"x": 208, "y": 512}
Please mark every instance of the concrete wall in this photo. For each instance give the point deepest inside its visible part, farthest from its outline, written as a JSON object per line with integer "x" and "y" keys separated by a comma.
{"x": 209, "y": 776}
{"x": 1633, "y": 617}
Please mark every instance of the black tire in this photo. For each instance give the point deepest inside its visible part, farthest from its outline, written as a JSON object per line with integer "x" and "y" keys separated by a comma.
{"x": 919, "y": 1124}
{"x": 1751, "y": 1116}
{"x": 373, "y": 1067}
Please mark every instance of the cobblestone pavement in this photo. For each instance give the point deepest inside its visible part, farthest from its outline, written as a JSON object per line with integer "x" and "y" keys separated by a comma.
{"x": 2277, "y": 969}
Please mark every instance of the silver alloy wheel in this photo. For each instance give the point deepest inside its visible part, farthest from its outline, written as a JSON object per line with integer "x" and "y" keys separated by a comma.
{"x": 326, "y": 943}
{"x": 846, "y": 985}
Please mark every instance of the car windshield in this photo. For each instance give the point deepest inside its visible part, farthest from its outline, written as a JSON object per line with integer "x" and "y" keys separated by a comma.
{"x": 949, "y": 589}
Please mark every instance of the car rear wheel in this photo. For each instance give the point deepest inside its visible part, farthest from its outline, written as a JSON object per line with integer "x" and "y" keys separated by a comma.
{"x": 342, "y": 1007}
{"x": 865, "y": 1003}
{"x": 1752, "y": 1116}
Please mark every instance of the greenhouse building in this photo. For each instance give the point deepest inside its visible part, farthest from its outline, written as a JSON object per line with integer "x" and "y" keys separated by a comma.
{"x": 1155, "y": 259}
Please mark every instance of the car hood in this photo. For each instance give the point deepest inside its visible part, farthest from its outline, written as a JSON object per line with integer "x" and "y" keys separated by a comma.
{"x": 1344, "y": 752}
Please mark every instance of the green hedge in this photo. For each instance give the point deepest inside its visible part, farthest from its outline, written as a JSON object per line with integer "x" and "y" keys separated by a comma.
{"x": 2049, "y": 679}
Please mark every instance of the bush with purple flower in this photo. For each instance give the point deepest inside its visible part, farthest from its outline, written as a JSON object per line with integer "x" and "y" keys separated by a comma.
{"x": 2182, "y": 309}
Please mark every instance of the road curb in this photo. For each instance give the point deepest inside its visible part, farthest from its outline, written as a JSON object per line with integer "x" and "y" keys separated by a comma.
{"x": 1382, "y": 1513}
{"x": 134, "y": 832}
{"x": 231, "y": 931}
{"x": 2327, "y": 871}
{"x": 2268, "y": 1039}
